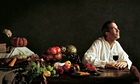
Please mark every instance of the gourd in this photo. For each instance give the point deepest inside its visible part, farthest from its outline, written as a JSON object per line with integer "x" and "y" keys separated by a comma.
{"x": 19, "y": 42}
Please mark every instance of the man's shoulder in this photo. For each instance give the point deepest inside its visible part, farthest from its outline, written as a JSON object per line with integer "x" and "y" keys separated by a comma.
{"x": 117, "y": 43}
{"x": 99, "y": 40}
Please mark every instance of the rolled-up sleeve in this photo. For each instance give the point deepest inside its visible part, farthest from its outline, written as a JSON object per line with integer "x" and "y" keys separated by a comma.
{"x": 92, "y": 56}
{"x": 124, "y": 56}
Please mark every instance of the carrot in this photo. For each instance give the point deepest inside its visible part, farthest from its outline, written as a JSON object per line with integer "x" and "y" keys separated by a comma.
{"x": 12, "y": 63}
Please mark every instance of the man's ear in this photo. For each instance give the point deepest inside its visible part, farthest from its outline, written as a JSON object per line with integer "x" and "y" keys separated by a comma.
{"x": 106, "y": 33}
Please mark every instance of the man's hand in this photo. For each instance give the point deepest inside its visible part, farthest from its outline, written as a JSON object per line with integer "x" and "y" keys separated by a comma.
{"x": 110, "y": 65}
{"x": 116, "y": 65}
{"x": 121, "y": 65}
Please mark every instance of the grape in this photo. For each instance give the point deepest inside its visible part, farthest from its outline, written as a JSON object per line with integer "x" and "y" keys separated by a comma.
{"x": 74, "y": 58}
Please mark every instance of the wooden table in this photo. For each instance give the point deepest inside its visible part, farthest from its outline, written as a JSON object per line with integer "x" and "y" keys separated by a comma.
{"x": 107, "y": 76}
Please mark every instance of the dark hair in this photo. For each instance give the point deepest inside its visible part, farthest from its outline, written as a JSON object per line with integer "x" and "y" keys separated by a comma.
{"x": 105, "y": 27}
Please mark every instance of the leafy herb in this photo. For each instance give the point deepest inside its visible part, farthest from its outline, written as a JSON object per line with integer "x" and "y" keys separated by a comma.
{"x": 34, "y": 69}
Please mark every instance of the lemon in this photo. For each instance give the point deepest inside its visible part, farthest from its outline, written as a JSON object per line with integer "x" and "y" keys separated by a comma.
{"x": 47, "y": 73}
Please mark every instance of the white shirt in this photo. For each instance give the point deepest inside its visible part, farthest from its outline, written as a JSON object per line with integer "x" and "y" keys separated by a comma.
{"x": 99, "y": 53}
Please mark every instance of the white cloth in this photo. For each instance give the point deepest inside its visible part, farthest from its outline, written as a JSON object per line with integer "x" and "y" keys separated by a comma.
{"x": 17, "y": 51}
{"x": 99, "y": 53}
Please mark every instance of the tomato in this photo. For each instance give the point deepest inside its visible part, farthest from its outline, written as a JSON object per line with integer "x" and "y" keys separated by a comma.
{"x": 52, "y": 50}
{"x": 93, "y": 68}
{"x": 58, "y": 49}
{"x": 87, "y": 65}
{"x": 58, "y": 57}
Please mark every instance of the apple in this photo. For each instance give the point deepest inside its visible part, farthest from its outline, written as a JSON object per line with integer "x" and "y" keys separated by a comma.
{"x": 66, "y": 68}
{"x": 60, "y": 70}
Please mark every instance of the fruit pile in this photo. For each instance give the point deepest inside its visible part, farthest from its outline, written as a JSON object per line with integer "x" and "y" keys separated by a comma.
{"x": 50, "y": 71}
{"x": 39, "y": 68}
{"x": 67, "y": 68}
{"x": 53, "y": 54}
{"x": 45, "y": 65}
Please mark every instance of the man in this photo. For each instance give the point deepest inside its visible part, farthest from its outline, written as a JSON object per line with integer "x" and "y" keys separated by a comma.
{"x": 101, "y": 52}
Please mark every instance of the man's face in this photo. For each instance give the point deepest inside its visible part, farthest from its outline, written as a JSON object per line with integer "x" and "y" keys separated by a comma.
{"x": 114, "y": 32}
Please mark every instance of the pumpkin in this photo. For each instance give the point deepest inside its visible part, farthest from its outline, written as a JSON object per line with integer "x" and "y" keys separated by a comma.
{"x": 19, "y": 42}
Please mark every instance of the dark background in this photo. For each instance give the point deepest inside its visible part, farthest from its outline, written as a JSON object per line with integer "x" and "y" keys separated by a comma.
{"x": 46, "y": 23}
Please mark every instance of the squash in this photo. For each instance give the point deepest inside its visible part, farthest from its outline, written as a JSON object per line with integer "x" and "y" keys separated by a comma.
{"x": 19, "y": 42}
